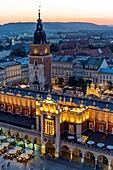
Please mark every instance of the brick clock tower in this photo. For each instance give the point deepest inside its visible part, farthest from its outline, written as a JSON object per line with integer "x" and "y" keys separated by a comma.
{"x": 40, "y": 60}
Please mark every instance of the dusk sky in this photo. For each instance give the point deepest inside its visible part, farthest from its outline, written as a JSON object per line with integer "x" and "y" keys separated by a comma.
{"x": 95, "y": 11}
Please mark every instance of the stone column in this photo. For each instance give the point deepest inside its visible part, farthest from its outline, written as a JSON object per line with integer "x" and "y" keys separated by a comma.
{"x": 37, "y": 122}
{"x": 109, "y": 165}
{"x": 12, "y": 108}
{"x": 83, "y": 155}
{"x": 57, "y": 140}
{"x": 78, "y": 130}
{"x": 71, "y": 154}
{"x": 42, "y": 136}
{"x": 96, "y": 161}
{"x": 94, "y": 125}
{"x": 106, "y": 126}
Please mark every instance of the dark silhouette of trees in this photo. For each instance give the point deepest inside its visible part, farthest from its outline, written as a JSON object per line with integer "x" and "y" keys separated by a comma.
{"x": 18, "y": 52}
{"x": 54, "y": 48}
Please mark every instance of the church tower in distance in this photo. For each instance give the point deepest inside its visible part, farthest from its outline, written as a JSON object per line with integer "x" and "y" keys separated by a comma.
{"x": 40, "y": 60}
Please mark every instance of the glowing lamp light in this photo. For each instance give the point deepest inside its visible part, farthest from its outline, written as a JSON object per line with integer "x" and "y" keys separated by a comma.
{"x": 56, "y": 111}
{"x": 51, "y": 111}
{"x": 72, "y": 119}
{"x": 66, "y": 108}
{"x": 46, "y": 110}
{"x": 49, "y": 117}
{"x": 64, "y": 119}
{"x": 41, "y": 108}
{"x": 81, "y": 105}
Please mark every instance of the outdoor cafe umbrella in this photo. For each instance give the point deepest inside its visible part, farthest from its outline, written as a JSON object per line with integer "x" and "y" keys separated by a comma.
{"x": 1, "y": 147}
{"x": 109, "y": 147}
{"x": 10, "y": 140}
{"x": 70, "y": 137}
{"x": 2, "y": 137}
{"x": 90, "y": 142}
{"x": 5, "y": 144}
{"x": 100, "y": 145}
{"x": 24, "y": 155}
{"x": 18, "y": 148}
{"x": 80, "y": 139}
{"x": 12, "y": 151}
{"x": 29, "y": 152}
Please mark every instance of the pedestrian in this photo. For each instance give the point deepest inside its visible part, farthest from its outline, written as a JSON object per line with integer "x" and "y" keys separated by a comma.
{"x": 25, "y": 162}
{"x": 8, "y": 164}
{"x": 3, "y": 166}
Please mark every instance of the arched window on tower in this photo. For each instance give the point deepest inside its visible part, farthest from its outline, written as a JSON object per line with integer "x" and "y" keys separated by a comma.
{"x": 35, "y": 63}
{"x": 36, "y": 77}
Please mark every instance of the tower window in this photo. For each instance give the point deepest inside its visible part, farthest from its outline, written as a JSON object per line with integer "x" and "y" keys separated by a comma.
{"x": 35, "y": 63}
{"x": 36, "y": 77}
{"x": 101, "y": 128}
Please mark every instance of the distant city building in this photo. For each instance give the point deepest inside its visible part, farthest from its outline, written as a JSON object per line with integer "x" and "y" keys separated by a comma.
{"x": 105, "y": 75}
{"x": 40, "y": 60}
{"x": 12, "y": 71}
{"x": 4, "y": 53}
{"x": 65, "y": 67}
{"x": 2, "y": 76}
{"x": 24, "y": 72}
{"x": 92, "y": 68}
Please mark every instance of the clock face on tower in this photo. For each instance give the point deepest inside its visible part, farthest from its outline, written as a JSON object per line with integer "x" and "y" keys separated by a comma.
{"x": 46, "y": 50}
{"x": 35, "y": 50}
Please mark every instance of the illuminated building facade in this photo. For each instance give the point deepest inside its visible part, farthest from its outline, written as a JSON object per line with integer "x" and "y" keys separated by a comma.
{"x": 40, "y": 60}
{"x": 54, "y": 115}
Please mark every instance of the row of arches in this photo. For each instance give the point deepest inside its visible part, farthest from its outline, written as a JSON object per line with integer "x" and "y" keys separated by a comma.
{"x": 77, "y": 155}
{"x": 66, "y": 153}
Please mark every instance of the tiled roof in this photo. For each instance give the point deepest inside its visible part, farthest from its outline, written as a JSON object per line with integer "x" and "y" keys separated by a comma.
{"x": 77, "y": 100}
{"x": 17, "y": 120}
{"x": 93, "y": 64}
{"x": 106, "y": 70}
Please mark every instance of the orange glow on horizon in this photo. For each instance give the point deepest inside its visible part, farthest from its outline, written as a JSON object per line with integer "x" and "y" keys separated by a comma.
{"x": 98, "y": 11}
{"x": 106, "y": 21}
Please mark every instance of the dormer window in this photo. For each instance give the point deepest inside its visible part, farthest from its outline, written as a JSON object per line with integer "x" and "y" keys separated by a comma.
{"x": 95, "y": 67}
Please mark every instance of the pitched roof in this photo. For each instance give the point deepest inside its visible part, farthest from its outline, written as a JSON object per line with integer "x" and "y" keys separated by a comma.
{"x": 106, "y": 70}
{"x": 77, "y": 100}
{"x": 93, "y": 64}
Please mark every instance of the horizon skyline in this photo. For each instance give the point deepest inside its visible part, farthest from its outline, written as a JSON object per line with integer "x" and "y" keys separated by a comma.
{"x": 83, "y": 11}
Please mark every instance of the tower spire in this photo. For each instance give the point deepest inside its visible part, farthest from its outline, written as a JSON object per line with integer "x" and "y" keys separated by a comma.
{"x": 39, "y": 12}
{"x": 39, "y": 35}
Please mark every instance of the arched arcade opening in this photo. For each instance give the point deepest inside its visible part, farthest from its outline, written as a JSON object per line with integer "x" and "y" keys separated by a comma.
{"x": 65, "y": 152}
{"x": 89, "y": 158}
{"x": 77, "y": 155}
{"x": 49, "y": 148}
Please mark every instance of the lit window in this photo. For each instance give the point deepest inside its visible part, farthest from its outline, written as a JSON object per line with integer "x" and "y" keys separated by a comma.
{"x": 49, "y": 127}
{"x": 71, "y": 129}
